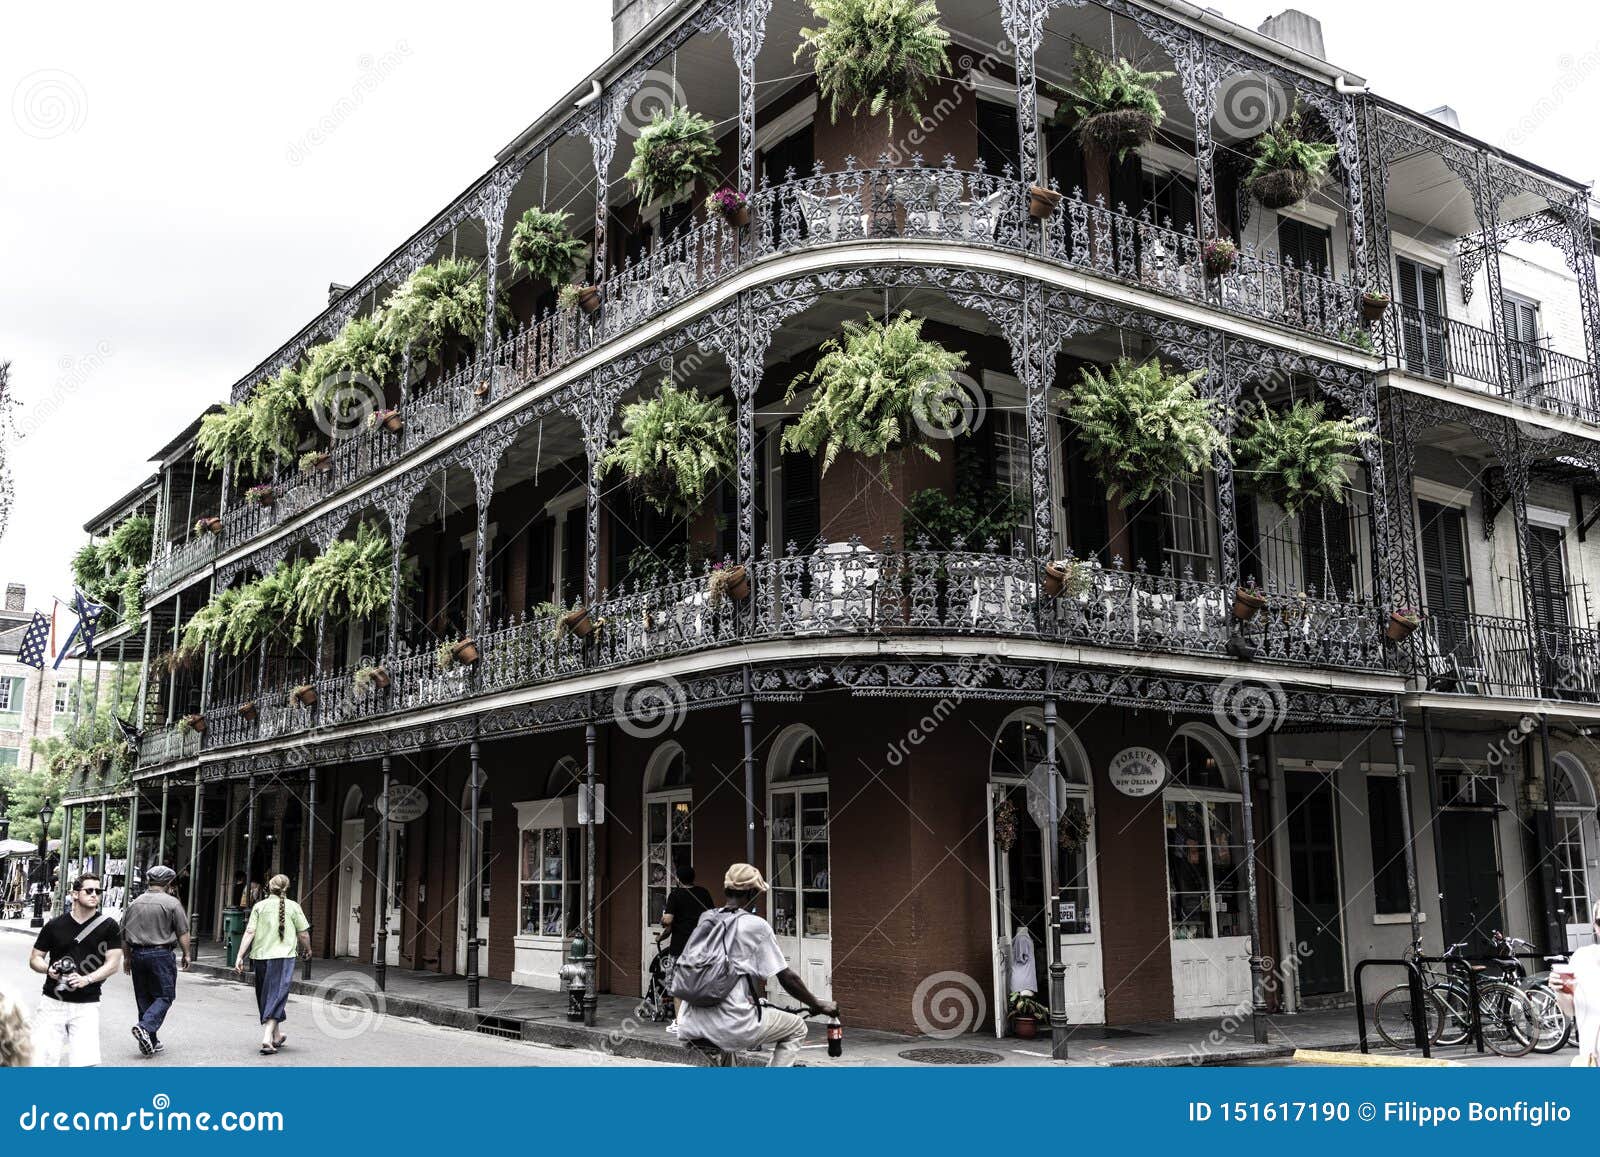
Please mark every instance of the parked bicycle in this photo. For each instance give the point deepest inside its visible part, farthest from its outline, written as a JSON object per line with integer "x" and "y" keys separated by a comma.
{"x": 1555, "y": 1029}
{"x": 1509, "y": 1018}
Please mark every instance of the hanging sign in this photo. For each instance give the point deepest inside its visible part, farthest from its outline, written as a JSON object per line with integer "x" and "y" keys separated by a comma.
{"x": 404, "y": 803}
{"x": 1137, "y": 771}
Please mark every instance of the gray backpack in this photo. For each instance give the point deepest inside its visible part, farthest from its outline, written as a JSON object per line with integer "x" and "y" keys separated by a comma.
{"x": 704, "y": 973}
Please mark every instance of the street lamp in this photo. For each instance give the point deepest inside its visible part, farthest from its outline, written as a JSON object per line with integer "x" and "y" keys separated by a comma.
{"x": 45, "y": 814}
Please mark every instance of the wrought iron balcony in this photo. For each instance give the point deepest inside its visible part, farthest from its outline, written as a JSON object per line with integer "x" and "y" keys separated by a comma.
{"x": 838, "y": 590}
{"x": 180, "y": 561}
{"x": 1431, "y": 346}
{"x": 1498, "y": 656}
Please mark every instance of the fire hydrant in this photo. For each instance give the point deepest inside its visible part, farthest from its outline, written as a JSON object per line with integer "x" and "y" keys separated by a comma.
{"x": 576, "y": 974}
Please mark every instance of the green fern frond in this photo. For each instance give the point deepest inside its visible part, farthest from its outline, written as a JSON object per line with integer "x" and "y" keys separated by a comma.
{"x": 880, "y": 55}
{"x": 1298, "y": 458}
{"x": 676, "y": 149}
{"x": 674, "y": 446}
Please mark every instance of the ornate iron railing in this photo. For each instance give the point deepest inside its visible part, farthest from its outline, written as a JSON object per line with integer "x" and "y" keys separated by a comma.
{"x": 180, "y": 561}
{"x": 836, "y": 590}
{"x": 1499, "y": 656}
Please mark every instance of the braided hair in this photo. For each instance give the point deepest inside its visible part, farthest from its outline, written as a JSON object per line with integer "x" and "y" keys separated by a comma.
{"x": 278, "y": 886}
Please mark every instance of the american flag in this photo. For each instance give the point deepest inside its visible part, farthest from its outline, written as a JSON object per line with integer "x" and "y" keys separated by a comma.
{"x": 35, "y": 642}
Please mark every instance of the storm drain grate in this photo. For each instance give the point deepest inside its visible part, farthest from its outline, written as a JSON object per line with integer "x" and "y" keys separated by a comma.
{"x": 500, "y": 1026}
{"x": 951, "y": 1057}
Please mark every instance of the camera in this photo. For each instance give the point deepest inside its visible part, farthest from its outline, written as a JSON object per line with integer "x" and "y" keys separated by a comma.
{"x": 64, "y": 967}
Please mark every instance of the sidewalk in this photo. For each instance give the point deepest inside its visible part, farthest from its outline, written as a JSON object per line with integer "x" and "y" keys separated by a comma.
{"x": 535, "y": 1015}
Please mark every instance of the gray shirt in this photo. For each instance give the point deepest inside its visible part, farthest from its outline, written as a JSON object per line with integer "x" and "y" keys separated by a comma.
{"x": 154, "y": 920}
{"x": 735, "y": 1023}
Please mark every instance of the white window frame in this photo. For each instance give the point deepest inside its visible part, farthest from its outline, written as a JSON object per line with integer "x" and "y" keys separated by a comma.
{"x": 1209, "y": 798}
{"x": 63, "y": 697}
{"x": 539, "y": 817}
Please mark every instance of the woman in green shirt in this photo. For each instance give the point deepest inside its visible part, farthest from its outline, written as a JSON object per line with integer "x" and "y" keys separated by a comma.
{"x": 278, "y": 932}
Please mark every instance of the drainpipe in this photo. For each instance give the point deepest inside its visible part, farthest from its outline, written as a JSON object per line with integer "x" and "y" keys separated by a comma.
{"x": 747, "y": 717}
{"x": 308, "y": 835}
{"x": 161, "y": 832}
{"x": 1555, "y": 927}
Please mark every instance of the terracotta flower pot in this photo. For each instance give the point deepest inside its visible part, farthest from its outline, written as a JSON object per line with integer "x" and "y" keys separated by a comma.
{"x": 577, "y": 621}
{"x": 739, "y": 217}
{"x": 1026, "y": 1027}
{"x": 211, "y": 525}
{"x": 1246, "y": 604}
{"x": 1042, "y": 202}
{"x": 305, "y": 696}
{"x": 465, "y": 652}
{"x": 197, "y": 723}
{"x": 1399, "y": 629}
{"x": 589, "y": 299}
{"x": 247, "y": 712}
{"x": 481, "y": 390}
{"x": 1280, "y": 188}
{"x": 1055, "y": 579}
{"x": 1373, "y": 307}
{"x": 323, "y": 464}
{"x": 394, "y": 423}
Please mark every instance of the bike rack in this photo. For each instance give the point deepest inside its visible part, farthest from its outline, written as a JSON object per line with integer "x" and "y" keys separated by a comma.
{"x": 1475, "y": 1034}
{"x": 1414, "y": 984}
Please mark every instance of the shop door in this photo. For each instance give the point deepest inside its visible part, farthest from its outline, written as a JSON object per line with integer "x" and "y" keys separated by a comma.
{"x": 1018, "y": 892}
{"x": 797, "y": 862}
{"x": 669, "y": 841}
{"x": 1207, "y": 897}
{"x": 1314, "y": 881}
{"x": 347, "y": 937}
{"x": 396, "y": 889}
{"x": 1471, "y": 878}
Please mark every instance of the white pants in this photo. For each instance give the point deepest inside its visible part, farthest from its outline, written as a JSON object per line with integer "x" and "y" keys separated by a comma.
{"x": 785, "y": 1032}
{"x": 70, "y": 1030}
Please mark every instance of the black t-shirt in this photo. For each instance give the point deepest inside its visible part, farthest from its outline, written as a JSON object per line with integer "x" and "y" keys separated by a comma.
{"x": 59, "y": 939}
{"x": 685, "y": 906}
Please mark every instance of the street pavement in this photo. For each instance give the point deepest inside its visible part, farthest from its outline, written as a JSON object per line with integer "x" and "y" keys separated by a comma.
{"x": 214, "y": 1022}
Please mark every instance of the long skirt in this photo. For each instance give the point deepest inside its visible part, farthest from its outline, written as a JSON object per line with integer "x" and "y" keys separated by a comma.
{"x": 273, "y": 978}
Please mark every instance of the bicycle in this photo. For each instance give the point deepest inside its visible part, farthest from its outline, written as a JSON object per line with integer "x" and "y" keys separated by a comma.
{"x": 1555, "y": 1029}
{"x": 717, "y": 1057}
{"x": 1506, "y": 1013}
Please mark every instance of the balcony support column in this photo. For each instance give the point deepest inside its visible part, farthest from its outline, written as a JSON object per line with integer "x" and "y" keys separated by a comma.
{"x": 1583, "y": 268}
{"x": 591, "y": 996}
{"x": 1408, "y": 838}
{"x": 132, "y": 860}
{"x": 492, "y": 209}
{"x": 307, "y": 852}
{"x": 474, "y": 889}
{"x": 1485, "y": 198}
{"x": 600, "y": 122}
{"x": 161, "y": 830}
{"x": 1052, "y": 857}
{"x": 1226, "y": 388}
{"x": 747, "y": 720}
{"x": 144, "y": 673}
{"x": 196, "y": 834}
{"x": 1258, "y": 1005}
{"x": 745, "y": 22}
{"x": 172, "y": 673}
{"x": 380, "y": 891}
{"x": 1023, "y": 21}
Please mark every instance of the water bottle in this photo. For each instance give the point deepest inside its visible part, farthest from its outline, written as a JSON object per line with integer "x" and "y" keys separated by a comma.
{"x": 835, "y": 1037}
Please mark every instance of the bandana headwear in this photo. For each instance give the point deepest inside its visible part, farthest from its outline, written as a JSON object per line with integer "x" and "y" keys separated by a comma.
{"x": 744, "y": 878}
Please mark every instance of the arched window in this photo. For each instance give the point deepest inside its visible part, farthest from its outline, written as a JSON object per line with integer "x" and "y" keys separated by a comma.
{"x": 668, "y": 769}
{"x": 564, "y": 779}
{"x": 352, "y": 804}
{"x": 1205, "y": 837}
{"x": 798, "y": 754}
{"x": 797, "y": 834}
{"x": 1574, "y": 799}
{"x": 669, "y": 830}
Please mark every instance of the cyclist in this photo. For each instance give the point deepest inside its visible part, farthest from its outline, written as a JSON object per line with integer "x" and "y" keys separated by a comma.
{"x": 740, "y": 1021}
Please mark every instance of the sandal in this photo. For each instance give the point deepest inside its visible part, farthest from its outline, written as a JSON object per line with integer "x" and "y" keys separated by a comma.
{"x": 268, "y": 1051}
{"x": 280, "y": 1042}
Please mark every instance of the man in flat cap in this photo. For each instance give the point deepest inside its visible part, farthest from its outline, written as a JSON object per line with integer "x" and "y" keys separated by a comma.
{"x": 154, "y": 924}
{"x": 739, "y": 1020}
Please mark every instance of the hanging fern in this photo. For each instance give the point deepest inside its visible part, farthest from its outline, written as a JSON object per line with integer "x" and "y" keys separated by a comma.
{"x": 1288, "y": 167}
{"x": 879, "y": 55}
{"x": 278, "y": 413}
{"x": 1143, "y": 428}
{"x": 207, "y": 626}
{"x": 1114, "y": 104}
{"x": 224, "y": 437}
{"x": 1298, "y": 458}
{"x": 673, "y": 447}
{"x": 351, "y": 579}
{"x": 351, "y": 369}
{"x": 543, "y": 246}
{"x": 869, "y": 386}
{"x": 672, "y": 152}
{"x": 438, "y": 311}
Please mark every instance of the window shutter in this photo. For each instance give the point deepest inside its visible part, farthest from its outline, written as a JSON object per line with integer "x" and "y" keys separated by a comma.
{"x": 1444, "y": 563}
{"x": 802, "y": 502}
{"x": 1067, "y": 167}
{"x": 1305, "y": 245}
{"x": 573, "y": 554}
{"x": 1329, "y": 561}
{"x": 1127, "y": 183}
{"x": 998, "y": 139}
{"x": 1548, "y": 597}
{"x": 1088, "y": 527}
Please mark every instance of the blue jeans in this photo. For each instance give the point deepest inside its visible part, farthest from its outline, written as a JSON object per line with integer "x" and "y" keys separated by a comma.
{"x": 155, "y": 985}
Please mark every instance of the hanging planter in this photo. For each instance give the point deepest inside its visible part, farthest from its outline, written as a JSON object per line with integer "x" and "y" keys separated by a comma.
{"x": 542, "y": 246}
{"x": 390, "y": 420}
{"x": 1221, "y": 256}
{"x": 1143, "y": 428}
{"x": 1401, "y": 623}
{"x": 462, "y": 652}
{"x": 1114, "y": 104}
{"x": 575, "y": 622}
{"x": 248, "y": 712}
{"x": 1288, "y": 168}
{"x": 673, "y": 448}
{"x": 194, "y": 723}
{"x": 1065, "y": 576}
{"x": 875, "y": 56}
{"x": 481, "y": 390}
{"x": 1042, "y": 202}
{"x": 727, "y": 582}
{"x": 584, "y": 297}
{"x": 1297, "y": 458}
{"x": 732, "y": 206}
{"x": 316, "y": 462}
{"x": 208, "y": 526}
{"x": 1373, "y": 305}
{"x": 1248, "y": 602}
{"x": 263, "y": 495}
{"x": 367, "y": 678}
{"x": 305, "y": 695}
{"x": 672, "y": 152}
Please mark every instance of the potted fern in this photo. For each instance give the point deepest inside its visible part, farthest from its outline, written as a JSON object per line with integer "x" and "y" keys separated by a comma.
{"x": 673, "y": 447}
{"x": 1288, "y": 167}
{"x": 459, "y": 652}
{"x": 305, "y": 695}
{"x": 353, "y": 578}
{"x": 1143, "y": 427}
{"x": 869, "y": 386}
{"x": 366, "y": 678}
{"x": 575, "y": 622}
{"x": 1042, "y": 202}
{"x": 1066, "y": 576}
{"x": 877, "y": 55}
{"x": 672, "y": 152}
{"x": 1299, "y": 457}
{"x": 439, "y": 311}
{"x": 574, "y": 297}
{"x": 1113, "y": 103}
{"x": 542, "y": 246}
{"x": 316, "y": 462}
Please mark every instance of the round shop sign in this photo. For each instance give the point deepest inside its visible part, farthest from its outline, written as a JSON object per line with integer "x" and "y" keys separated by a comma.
{"x": 1137, "y": 771}
{"x": 405, "y": 803}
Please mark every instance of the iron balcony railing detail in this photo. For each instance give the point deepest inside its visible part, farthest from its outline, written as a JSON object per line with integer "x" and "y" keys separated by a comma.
{"x": 836, "y": 590}
{"x": 1498, "y": 656}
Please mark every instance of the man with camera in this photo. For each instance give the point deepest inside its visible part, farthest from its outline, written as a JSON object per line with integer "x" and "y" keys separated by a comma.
{"x": 77, "y": 952}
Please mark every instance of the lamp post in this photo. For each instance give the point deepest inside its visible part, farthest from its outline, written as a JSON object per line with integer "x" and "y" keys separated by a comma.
{"x": 46, "y": 812}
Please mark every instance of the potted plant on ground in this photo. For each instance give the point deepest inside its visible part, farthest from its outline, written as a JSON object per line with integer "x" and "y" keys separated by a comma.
{"x": 1288, "y": 167}
{"x": 1144, "y": 428}
{"x": 875, "y": 55}
{"x": 731, "y": 582}
{"x": 672, "y": 152}
{"x": 673, "y": 447}
{"x": 869, "y": 388}
{"x": 210, "y": 525}
{"x": 367, "y": 678}
{"x": 305, "y": 695}
{"x": 1373, "y": 304}
{"x": 1026, "y": 1014}
{"x": 1248, "y": 601}
{"x": 1401, "y": 623}
{"x": 263, "y": 495}
{"x": 575, "y": 297}
{"x": 390, "y": 420}
{"x": 542, "y": 246}
{"x": 1113, "y": 104}
{"x": 316, "y": 462}
{"x": 1298, "y": 457}
{"x": 1221, "y": 255}
{"x": 731, "y": 204}
{"x": 460, "y": 652}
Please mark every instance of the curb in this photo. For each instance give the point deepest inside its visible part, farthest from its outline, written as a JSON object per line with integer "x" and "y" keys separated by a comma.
{"x": 1367, "y": 1060}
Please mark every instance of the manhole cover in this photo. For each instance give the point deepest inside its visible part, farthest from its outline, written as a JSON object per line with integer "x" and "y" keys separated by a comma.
{"x": 951, "y": 1057}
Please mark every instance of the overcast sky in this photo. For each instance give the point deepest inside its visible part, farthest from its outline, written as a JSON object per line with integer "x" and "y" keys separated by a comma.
{"x": 167, "y": 220}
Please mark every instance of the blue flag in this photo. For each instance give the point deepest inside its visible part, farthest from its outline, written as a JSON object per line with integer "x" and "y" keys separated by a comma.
{"x": 35, "y": 642}
{"x": 88, "y": 613}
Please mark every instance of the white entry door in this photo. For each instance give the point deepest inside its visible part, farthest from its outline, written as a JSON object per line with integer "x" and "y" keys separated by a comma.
{"x": 347, "y": 927}
{"x": 463, "y": 908}
{"x": 797, "y": 863}
{"x": 1018, "y": 900}
{"x": 668, "y": 842}
{"x": 1575, "y": 852}
{"x": 1207, "y": 903}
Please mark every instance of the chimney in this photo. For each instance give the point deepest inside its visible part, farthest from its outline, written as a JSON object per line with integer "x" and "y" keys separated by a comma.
{"x": 628, "y": 18}
{"x": 16, "y": 597}
{"x": 1445, "y": 115}
{"x": 335, "y": 291}
{"x": 1297, "y": 30}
